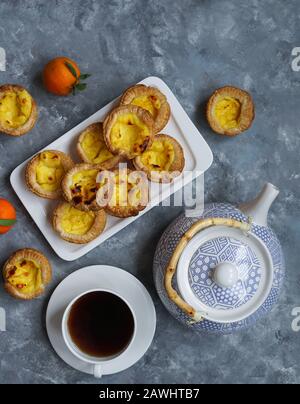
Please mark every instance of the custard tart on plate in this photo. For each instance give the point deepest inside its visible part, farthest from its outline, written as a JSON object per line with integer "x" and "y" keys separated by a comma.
{"x": 127, "y": 193}
{"x": 18, "y": 110}
{"x": 150, "y": 99}
{"x": 230, "y": 111}
{"x": 26, "y": 274}
{"x": 45, "y": 171}
{"x": 77, "y": 226}
{"x": 163, "y": 160}
{"x": 79, "y": 186}
{"x": 128, "y": 131}
{"x": 92, "y": 148}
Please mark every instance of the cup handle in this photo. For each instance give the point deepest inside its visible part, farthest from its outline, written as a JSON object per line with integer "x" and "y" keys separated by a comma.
{"x": 97, "y": 371}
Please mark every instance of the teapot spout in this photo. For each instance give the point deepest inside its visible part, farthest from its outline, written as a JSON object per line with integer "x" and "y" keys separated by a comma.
{"x": 259, "y": 208}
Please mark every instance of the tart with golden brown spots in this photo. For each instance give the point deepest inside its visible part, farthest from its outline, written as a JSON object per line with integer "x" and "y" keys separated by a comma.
{"x": 127, "y": 194}
{"x": 128, "y": 131}
{"x": 18, "y": 110}
{"x": 230, "y": 111}
{"x": 79, "y": 186}
{"x": 45, "y": 171}
{"x": 26, "y": 274}
{"x": 150, "y": 99}
{"x": 92, "y": 148}
{"x": 77, "y": 226}
{"x": 163, "y": 160}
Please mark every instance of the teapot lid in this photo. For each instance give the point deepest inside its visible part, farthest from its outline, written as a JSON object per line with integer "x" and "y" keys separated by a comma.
{"x": 225, "y": 274}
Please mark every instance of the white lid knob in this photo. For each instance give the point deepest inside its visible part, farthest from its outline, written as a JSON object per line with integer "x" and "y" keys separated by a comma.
{"x": 226, "y": 275}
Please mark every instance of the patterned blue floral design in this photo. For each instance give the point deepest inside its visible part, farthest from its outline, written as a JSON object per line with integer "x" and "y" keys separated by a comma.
{"x": 170, "y": 240}
{"x": 205, "y": 260}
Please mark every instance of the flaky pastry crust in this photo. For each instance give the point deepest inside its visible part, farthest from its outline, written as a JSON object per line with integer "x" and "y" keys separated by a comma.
{"x": 71, "y": 197}
{"x": 31, "y": 255}
{"x": 97, "y": 127}
{"x": 95, "y": 231}
{"x": 247, "y": 114}
{"x": 29, "y": 124}
{"x": 175, "y": 169}
{"x": 164, "y": 112}
{"x": 30, "y": 175}
{"x": 127, "y": 210}
{"x": 111, "y": 120}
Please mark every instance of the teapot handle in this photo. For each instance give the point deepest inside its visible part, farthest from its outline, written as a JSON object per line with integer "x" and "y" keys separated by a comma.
{"x": 171, "y": 268}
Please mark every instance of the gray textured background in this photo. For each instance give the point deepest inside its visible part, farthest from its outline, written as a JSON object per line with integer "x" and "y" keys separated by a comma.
{"x": 195, "y": 46}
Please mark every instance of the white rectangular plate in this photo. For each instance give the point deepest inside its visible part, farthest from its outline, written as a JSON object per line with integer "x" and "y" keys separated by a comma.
{"x": 198, "y": 158}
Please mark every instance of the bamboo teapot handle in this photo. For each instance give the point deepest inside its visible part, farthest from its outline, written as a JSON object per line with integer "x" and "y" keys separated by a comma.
{"x": 172, "y": 267}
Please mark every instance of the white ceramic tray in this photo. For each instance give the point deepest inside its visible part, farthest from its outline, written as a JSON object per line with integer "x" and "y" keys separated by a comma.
{"x": 198, "y": 159}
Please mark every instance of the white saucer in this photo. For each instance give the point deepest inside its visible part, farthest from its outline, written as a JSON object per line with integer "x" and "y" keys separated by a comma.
{"x": 115, "y": 279}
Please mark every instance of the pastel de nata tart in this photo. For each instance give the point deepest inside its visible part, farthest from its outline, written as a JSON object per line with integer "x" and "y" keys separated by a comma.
{"x": 150, "y": 99}
{"x": 127, "y": 193}
{"x": 230, "y": 111}
{"x": 92, "y": 148}
{"x": 18, "y": 110}
{"x": 26, "y": 274}
{"x": 79, "y": 186}
{"x": 163, "y": 160}
{"x": 45, "y": 171}
{"x": 77, "y": 226}
{"x": 128, "y": 131}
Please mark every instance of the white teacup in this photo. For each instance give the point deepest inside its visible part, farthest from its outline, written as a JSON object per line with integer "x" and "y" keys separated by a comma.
{"x": 98, "y": 362}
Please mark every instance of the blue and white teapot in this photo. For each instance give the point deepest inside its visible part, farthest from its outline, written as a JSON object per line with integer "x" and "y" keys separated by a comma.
{"x": 222, "y": 271}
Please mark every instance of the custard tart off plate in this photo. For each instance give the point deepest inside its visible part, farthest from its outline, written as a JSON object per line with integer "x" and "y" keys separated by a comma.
{"x": 18, "y": 110}
{"x": 26, "y": 273}
{"x": 150, "y": 99}
{"x": 92, "y": 148}
{"x": 77, "y": 226}
{"x": 45, "y": 171}
{"x": 230, "y": 111}
{"x": 128, "y": 131}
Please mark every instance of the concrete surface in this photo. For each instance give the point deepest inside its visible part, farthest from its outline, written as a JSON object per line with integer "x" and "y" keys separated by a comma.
{"x": 195, "y": 46}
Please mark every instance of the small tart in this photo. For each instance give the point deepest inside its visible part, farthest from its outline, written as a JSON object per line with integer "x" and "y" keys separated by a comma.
{"x": 150, "y": 99}
{"x": 230, "y": 111}
{"x": 76, "y": 226}
{"x": 45, "y": 171}
{"x": 128, "y": 131}
{"x": 92, "y": 148}
{"x": 26, "y": 273}
{"x": 18, "y": 110}
{"x": 129, "y": 192}
{"x": 163, "y": 161}
{"x": 79, "y": 186}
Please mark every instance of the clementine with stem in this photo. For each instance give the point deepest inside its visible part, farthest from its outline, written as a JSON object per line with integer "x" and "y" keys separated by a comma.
{"x": 61, "y": 76}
